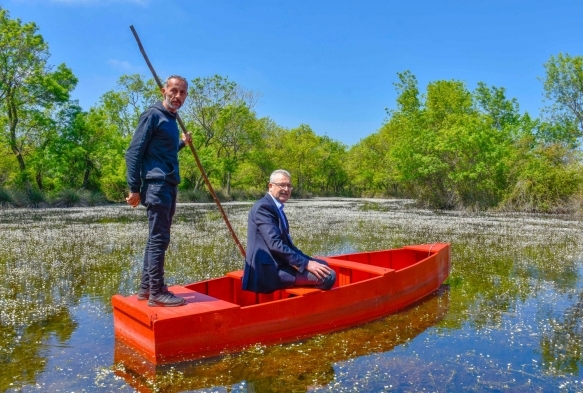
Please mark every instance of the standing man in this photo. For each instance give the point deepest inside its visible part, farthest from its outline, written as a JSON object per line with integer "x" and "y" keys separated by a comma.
{"x": 273, "y": 261}
{"x": 153, "y": 177}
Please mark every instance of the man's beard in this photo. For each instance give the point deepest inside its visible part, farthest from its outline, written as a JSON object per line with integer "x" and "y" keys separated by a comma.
{"x": 170, "y": 105}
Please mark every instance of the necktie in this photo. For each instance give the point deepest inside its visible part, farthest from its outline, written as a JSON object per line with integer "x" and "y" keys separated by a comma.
{"x": 285, "y": 224}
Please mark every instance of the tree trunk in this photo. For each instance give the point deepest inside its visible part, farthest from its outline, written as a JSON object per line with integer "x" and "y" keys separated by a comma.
{"x": 39, "y": 179}
{"x": 228, "y": 183}
{"x": 200, "y": 180}
{"x": 198, "y": 183}
{"x": 13, "y": 123}
{"x": 88, "y": 167}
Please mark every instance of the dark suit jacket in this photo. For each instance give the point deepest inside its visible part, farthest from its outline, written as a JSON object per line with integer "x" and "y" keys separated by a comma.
{"x": 272, "y": 259}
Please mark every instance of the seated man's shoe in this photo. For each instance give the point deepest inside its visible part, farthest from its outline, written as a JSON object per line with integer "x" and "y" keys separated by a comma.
{"x": 167, "y": 299}
{"x": 144, "y": 294}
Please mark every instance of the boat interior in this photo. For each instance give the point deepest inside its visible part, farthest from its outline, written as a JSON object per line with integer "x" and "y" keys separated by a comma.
{"x": 350, "y": 269}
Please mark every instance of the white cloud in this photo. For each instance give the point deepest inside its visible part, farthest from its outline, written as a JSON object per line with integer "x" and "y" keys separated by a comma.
{"x": 120, "y": 64}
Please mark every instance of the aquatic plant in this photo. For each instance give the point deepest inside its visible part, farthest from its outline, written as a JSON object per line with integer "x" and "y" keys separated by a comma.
{"x": 515, "y": 284}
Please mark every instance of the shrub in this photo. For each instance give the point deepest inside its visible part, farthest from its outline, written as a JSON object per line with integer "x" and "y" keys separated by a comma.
{"x": 190, "y": 195}
{"x": 202, "y": 195}
{"x": 6, "y": 199}
{"x": 545, "y": 183}
{"x": 95, "y": 198}
{"x": 69, "y": 198}
{"x": 31, "y": 197}
{"x": 247, "y": 194}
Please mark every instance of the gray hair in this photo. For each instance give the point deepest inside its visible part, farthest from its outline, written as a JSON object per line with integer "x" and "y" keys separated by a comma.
{"x": 279, "y": 172}
{"x": 175, "y": 77}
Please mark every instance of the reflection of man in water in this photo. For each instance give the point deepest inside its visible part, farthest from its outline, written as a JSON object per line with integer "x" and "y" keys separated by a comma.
{"x": 273, "y": 261}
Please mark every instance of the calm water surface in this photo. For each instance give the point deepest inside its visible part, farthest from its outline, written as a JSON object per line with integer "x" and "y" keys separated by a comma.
{"x": 509, "y": 318}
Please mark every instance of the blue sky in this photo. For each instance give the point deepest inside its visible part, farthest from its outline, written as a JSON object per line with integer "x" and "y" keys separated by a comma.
{"x": 328, "y": 64}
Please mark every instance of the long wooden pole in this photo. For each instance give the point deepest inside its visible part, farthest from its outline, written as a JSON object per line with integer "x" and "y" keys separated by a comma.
{"x": 192, "y": 149}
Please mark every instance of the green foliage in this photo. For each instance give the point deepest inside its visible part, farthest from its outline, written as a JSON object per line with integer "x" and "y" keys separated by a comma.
{"x": 8, "y": 165}
{"x": 499, "y": 111}
{"x": 452, "y": 148}
{"x": 225, "y": 129}
{"x": 246, "y": 194}
{"x": 443, "y": 150}
{"x": 113, "y": 182}
{"x": 447, "y": 147}
{"x": 30, "y": 90}
{"x": 366, "y": 164}
{"x": 546, "y": 179}
{"x": 123, "y": 106}
{"x": 6, "y": 199}
{"x": 563, "y": 86}
{"x": 314, "y": 162}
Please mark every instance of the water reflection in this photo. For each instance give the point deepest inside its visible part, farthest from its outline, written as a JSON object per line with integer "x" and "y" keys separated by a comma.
{"x": 514, "y": 318}
{"x": 561, "y": 343}
{"x": 23, "y": 351}
{"x": 293, "y": 367}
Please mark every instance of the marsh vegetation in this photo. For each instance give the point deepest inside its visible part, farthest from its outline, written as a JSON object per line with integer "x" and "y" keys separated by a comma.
{"x": 510, "y": 317}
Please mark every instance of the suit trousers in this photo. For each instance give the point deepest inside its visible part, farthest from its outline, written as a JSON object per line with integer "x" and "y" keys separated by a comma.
{"x": 307, "y": 279}
{"x": 159, "y": 197}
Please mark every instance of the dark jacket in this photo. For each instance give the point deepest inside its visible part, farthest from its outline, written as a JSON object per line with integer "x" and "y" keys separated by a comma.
{"x": 272, "y": 259}
{"x": 153, "y": 152}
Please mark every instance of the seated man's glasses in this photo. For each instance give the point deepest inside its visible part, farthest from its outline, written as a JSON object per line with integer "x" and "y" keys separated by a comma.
{"x": 284, "y": 186}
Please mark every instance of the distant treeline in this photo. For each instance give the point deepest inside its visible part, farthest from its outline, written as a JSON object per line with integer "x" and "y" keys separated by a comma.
{"x": 447, "y": 147}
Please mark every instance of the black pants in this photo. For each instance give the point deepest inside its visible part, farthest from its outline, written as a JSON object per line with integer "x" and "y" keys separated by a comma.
{"x": 160, "y": 200}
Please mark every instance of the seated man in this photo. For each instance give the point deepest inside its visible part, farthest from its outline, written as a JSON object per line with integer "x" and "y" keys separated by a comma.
{"x": 273, "y": 262}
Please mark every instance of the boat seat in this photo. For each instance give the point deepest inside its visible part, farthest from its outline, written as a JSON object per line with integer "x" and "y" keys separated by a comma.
{"x": 366, "y": 268}
{"x": 236, "y": 274}
{"x": 300, "y": 291}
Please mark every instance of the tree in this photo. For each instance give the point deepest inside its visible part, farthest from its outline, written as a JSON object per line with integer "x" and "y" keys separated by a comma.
{"x": 207, "y": 99}
{"x": 452, "y": 148}
{"x": 500, "y": 112}
{"x": 369, "y": 166}
{"x": 331, "y": 177}
{"x": 238, "y": 131}
{"x": 124, "y": 105}
{"x": 545, "y": 177}
{"x": 563, "y": 86}
{"x": 299, "y": 151}
{"x": 254, "y": 171}
{"x": 219, "y": 113}
{"x": 29, "y": 87}
{"x": 83, "y": 147}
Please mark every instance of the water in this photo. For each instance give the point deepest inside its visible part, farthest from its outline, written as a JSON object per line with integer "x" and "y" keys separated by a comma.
{"x": 510, "y": 318}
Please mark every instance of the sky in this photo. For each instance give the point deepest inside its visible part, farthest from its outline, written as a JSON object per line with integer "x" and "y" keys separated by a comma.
{"x": 330, "y": 64}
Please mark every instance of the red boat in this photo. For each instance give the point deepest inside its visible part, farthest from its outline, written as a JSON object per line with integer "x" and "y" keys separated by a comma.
{"x": 220, "y": 317}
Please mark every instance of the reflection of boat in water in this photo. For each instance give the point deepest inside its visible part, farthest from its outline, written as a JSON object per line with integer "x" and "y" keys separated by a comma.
{"x": 220, "y": 317}
{"x": 291, "y": 367}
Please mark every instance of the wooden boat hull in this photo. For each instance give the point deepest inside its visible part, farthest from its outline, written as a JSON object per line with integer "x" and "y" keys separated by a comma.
{"x": 219, "y": 317}
{"x": 323, "y": 357}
